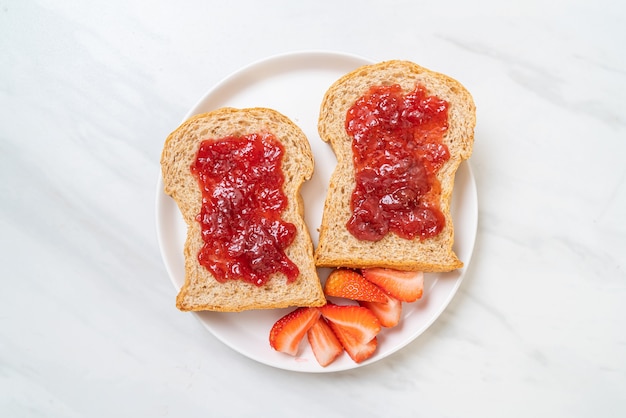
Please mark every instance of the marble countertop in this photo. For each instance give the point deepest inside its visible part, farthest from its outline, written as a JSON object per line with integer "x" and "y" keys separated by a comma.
{"x": 89, "y": 92}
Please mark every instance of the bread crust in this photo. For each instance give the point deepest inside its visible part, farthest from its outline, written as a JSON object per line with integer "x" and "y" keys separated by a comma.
{"x": 337, "y": 247}
{"x": 201, "y": 291}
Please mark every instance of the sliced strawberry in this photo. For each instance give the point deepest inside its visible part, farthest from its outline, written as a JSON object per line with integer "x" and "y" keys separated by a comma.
{"x": 288, "y": 331}
{"x": 388, "y": 313}
{"x": 326, "y": 347}
{"x": 406, "y": 286}
{"x": 349, "y": 284}
{"x": 357, "y": 350}
{"x": 357, "y": 320}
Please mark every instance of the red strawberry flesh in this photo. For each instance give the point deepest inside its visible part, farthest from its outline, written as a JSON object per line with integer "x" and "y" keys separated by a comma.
{"x": 358, "y": 351}
{"x": 357, "y": 320}
{"x": 326, "y": 347}
{"x": 288, "y": 331}
{"x": 407, "y": 286}
{"x": 388, "y": 313}
{"x": 350, "y": 284}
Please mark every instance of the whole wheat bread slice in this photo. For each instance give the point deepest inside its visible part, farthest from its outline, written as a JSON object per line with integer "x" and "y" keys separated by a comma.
{"x": 201, "y": 291}
{"x": 337, "y": 247}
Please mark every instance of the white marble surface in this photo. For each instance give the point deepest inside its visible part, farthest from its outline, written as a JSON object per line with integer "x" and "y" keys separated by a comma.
{"x": 89, "y": 91}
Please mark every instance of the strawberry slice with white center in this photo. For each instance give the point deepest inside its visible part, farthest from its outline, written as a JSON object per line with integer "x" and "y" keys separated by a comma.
{"x": 358, "y": 351}
{"x": 388, "y": 312}
{"x": 406, "y": 286}
{"x": 288, "y": 331}
{"x": 326, "y": 347}
{"x": 357, "y": 320}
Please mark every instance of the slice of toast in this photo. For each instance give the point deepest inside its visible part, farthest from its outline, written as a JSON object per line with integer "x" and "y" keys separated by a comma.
{"x": 337, "y": 246}
{"x": 201, "y": 290}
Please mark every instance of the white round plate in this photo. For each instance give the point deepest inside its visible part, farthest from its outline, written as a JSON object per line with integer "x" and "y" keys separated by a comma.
{"x": 294, "y": 85}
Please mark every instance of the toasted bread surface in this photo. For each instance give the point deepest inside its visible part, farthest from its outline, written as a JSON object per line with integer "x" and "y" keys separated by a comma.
{"x": 201, "y": 291}
{"x": 337, "y": 247}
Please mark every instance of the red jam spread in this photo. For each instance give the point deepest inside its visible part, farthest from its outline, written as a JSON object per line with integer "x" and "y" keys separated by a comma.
{"x": 398, "y": 150}
{"x": 242, "y": 200}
